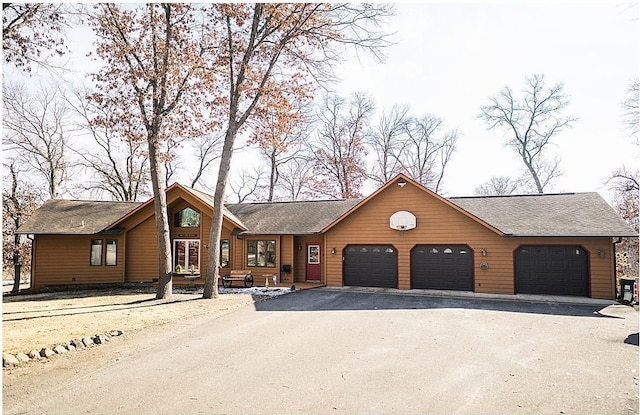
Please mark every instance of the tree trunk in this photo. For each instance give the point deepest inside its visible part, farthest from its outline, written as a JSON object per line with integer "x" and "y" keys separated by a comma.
{"x": 165, "y": 283}
{"x": 272, "y": 177}
{"x": 534, "y": 173}
{"x": 16, "y": 265}
{"x": 213, "y": 259}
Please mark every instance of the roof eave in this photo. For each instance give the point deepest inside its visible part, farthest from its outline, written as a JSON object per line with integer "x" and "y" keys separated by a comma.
{"x": 574, "y": 235}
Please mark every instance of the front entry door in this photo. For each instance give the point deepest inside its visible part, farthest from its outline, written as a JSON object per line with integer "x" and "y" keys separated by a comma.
{"x": 313, "y": 262}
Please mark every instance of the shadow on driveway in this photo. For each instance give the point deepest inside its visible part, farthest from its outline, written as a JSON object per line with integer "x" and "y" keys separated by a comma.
{"x": 332, "y": 300}
{"x": 632, "y": 339}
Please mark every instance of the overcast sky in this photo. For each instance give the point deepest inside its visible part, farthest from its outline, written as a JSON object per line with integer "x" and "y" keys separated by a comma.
{"x": 449, "y": 58}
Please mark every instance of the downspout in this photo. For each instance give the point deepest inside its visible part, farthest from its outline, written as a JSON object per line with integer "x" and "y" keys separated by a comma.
{"x": 615, "y": 269}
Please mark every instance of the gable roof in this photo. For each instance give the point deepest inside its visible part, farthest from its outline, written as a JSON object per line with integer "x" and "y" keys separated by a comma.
{"x": 77, "y": 217}
{"x": 208, "y": 199}
{"x": 398, "y": 180}
{"x": 298, "y": 218}
{"x": 567, "y": 214}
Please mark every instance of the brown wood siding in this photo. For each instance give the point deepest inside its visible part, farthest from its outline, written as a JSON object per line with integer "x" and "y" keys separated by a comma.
{"x": 287, "y": 257}
{"x": 64, "y": 259}
{"x": 438, "y": 223}
{"x": 143, "y": 253}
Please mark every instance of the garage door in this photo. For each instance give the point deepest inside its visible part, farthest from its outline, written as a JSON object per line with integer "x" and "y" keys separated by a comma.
{"x": 555, "y": 270}
{"x": 442, "y": 267}
{"x": 371, "y": 266}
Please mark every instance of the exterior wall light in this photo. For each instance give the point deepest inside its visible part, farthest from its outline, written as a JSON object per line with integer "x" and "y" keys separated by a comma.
{"x": 484, "y": 252}
{"x": 601, "y": 253}
{"x": 402, "y": 183}
{"x": 333, "y": 250}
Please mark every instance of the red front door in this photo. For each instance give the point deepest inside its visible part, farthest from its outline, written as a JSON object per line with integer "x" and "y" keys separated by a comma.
{"x": 313, "y": 262}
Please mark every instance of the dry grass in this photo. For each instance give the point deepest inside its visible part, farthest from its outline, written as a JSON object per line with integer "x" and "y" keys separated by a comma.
{"x": 34, "y": 321}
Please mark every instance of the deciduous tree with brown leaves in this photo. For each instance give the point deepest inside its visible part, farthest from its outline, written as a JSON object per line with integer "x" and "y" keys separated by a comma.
{"x": 153, "y": 83}
{"x": 32, "y": 33}
{"x": 270, "y": 57}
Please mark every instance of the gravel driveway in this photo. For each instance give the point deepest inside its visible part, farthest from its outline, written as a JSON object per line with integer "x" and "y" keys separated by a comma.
{"x": 343, "y": 352}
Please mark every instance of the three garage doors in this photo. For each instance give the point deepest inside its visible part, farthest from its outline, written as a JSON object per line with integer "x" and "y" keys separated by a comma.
{"x": 553, "y": 270}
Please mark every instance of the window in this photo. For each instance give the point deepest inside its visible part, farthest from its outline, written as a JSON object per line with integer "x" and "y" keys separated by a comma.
{"x": 186, "y": 255}
{"x": 96, "y": 252}
{"x": 224, "y": 253}
{"x": 261, "y": 253}
{"x": 112, "y": 252}
{"x": 187, "y": 218}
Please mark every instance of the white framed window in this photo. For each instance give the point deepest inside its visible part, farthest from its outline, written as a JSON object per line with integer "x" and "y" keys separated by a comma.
{"x": 313, "y": 254}
{"x": 186, "y": 255}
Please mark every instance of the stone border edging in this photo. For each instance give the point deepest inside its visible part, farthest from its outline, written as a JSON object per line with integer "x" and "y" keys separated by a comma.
{"x": 11, "y": 360}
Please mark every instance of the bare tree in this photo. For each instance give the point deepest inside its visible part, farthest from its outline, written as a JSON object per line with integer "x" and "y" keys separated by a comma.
{"x": 631, "y": 108}
{"x": 626, "y": 187}
{"x": 248, "y": 185}
{"x": 298, "y": 181}
{"x": 386, "y": 140}
{"x": 36, "y": 130}
{"x": 32, "y": 33}
{"x": 625, "y": 183}
{"x": 153, "y": 76}
{"x": 339, "y": 148}
{"x": 427, "y": 150}
{"x": 171, "y": 159}
{"x": 207, "y": 150}
{"x": 270, "y": 56}
{"x": 119, "y": 166}
{"x": 279, "y": 138}
{"x": 530, "y": 123}
{"x": 498, "y": 186}
{"x": 19, "y": 199}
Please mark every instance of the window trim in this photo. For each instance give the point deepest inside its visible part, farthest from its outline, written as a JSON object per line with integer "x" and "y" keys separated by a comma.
{"x": 257, "y": 254}
{"x": 176, "y": 218}
{"x": 174, "y": 258}
{"x": 115, "y": 253}
{"x": 222, "y": 241}
{"x": 96, "y": 243}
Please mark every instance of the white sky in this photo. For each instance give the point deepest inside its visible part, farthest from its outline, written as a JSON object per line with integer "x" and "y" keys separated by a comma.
{"x": 449, "y": 58}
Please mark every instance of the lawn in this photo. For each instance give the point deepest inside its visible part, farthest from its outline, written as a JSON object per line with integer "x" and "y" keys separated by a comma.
{"x": 34, "y": 321}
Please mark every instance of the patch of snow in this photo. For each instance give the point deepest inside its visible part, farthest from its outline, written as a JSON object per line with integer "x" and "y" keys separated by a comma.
{"x": 262, "y": 291}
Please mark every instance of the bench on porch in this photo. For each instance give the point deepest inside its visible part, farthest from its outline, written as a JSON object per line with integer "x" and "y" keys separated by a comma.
{"x": 238, "y": 275}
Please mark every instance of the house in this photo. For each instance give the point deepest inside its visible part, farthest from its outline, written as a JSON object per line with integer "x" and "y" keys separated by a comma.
{"x": 401, "y": 236}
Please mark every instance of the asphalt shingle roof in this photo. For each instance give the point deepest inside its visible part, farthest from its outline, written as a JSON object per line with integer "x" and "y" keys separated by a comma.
{"x": 290, "y": 217}
{"x": 78, "y": 217}
{"x": 569, "y": 214}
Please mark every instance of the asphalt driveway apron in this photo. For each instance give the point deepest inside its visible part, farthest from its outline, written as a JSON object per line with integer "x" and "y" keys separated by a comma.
{"x": 339, "y": 351}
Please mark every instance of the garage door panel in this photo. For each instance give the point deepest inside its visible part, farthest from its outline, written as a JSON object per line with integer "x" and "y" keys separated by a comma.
{"x": 371, "y": 266}
{"x": 442, "y": 267}
{"x": 553, "y": 270}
